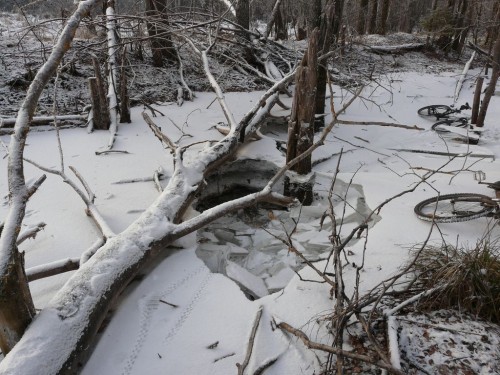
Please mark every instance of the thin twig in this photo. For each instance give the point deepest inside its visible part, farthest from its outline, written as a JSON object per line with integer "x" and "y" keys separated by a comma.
{"x": 242, "y": 367}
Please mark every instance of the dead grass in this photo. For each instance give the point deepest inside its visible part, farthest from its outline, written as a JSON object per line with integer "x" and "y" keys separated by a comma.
{"x": 469, "y": 277}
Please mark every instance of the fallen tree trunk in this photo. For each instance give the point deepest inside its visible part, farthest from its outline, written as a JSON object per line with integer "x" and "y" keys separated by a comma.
{"x": 16, "y": 304}
{"x": 400, "y": 49}
{"x": 43, "y": 120}
{"x": 75, "y": 313}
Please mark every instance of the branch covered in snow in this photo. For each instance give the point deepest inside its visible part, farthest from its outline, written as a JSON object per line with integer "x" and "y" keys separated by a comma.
{"x": 63, "y": 331}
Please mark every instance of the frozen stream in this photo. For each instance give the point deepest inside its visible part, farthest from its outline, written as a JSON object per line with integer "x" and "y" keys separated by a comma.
{"x": 247, "y": 246}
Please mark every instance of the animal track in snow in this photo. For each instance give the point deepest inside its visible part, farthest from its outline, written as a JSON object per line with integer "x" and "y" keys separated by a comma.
{"x": 147, "y": 306}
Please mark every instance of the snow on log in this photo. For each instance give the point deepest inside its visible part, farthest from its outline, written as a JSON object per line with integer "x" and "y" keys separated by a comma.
{"x": 44, "y": 120}
{"x": 399, "y": 49}
{"x": 62, "y": 333}
{"x": 17, "y": 310}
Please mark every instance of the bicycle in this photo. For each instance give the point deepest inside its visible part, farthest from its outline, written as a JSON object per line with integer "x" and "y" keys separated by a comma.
{"x": 441, "y": 111}
{"x": 443, "y": 126}
{"x": 453, "y": 208}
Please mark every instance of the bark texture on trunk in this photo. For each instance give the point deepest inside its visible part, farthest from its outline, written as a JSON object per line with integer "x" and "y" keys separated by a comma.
{"x": 490, "y": 90}
{"x": 162, "y": 47}
{"x": 301, "y": 127}
{"x": 17, "y": 306}
{"x": 361, "y": 21}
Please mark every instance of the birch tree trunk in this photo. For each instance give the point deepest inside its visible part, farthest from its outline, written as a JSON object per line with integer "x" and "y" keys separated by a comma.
{"x": 16, "y": 307}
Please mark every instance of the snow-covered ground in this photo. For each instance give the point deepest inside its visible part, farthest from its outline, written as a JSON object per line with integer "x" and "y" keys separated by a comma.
{"x": 181, "y": 318}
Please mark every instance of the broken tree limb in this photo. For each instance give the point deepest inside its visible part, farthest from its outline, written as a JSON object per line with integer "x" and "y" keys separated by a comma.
{"x": 75, "y": 313}
{"x": 460, "y": 82}
{"x": 243, "y": 366}
{"x": 52, "y": 269}
{"x": 380, "y": 123}
{"x": 158, "y": 133}
{"x": 330, "y": 349}
{"x": 30, "y": 233}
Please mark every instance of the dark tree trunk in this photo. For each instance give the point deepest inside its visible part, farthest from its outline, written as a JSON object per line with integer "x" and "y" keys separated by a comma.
{"x": 17, "y": 305}
{"x": 382, "y": 17}
{"x": 300, "y": 129}
{"x": 490, "y": 90}
{"x": 162, "y": 47}
{"x": 243, "y": 14}
{"x": 98, "y": 96}
{"x": 337, "y": 19}
{"x": 361, "y": 22}
{"x": 461, "y": 29}
{"x": 477, "y": 100}
{"x": 280, "y": 24}
{"x": 326, "y": 35}
{"x": 372, "y": 21}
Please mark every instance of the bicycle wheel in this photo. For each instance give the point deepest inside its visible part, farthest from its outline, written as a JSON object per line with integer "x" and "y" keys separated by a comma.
{"x": 458, "y": 123}
{"x": 451, "y": 208}
{"x": 439, "y": 110}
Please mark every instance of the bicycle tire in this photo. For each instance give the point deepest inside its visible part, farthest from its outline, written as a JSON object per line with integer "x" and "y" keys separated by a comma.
{"x": 438, "y": 110}
{"x": 458, "y": 123}
{"x": 452, "y": 208}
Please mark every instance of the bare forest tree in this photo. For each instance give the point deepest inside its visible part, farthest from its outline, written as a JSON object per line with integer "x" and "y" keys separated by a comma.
{"x": 495, "y": 74}
{"x": 162, "y": 47}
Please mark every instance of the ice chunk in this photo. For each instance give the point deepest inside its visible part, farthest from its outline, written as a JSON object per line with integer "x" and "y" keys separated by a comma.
{"x": 280, "y": 280}
{"x": 248, "y": 282}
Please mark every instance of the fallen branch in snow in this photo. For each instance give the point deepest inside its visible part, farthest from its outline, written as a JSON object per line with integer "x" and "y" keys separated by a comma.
{"x": 330, "y": 349}
{"x": 380, "y": 123}
{"x": 105, "y": 152}
{"x": 243, "y": 366}
{"x": 263, "y": 367}
{"x": 160, "y": 176}
{"x": 44, "y": 120}
{"x": 91, "y": 209}
{"x": 74, "y": 316}
{"x": 399, "y": 49}
{"x": 224, "y": 357}
{"x": 450, "y": 154}
{"x": 168, "y": 303}
{"x": 158, "y": 133}
{"x": 359, "y": 146}
{"x": 30, "y": 233}
{"x": 52, "y": 269}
